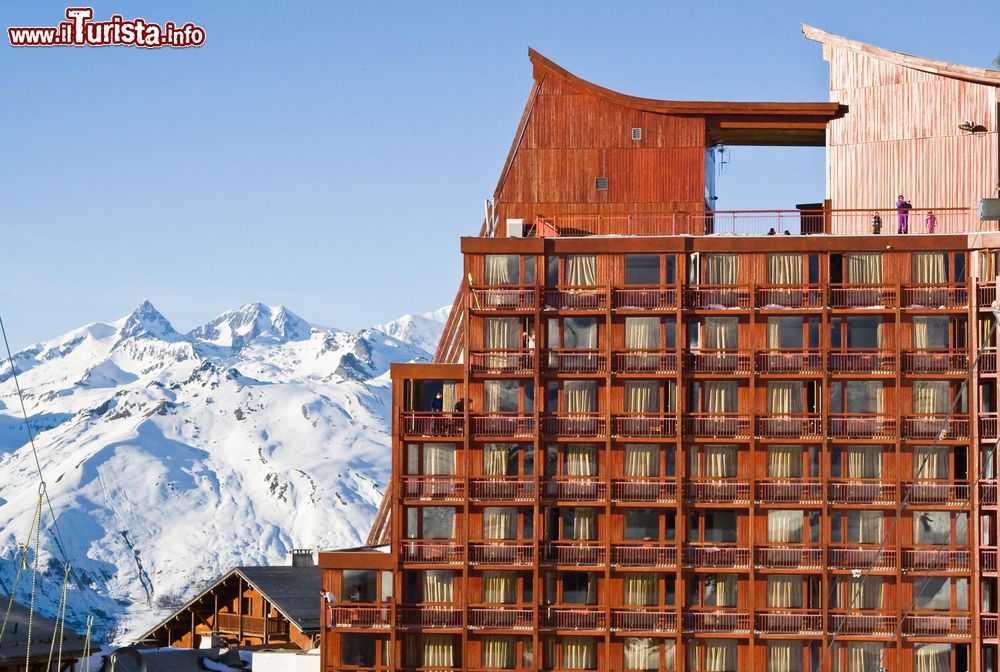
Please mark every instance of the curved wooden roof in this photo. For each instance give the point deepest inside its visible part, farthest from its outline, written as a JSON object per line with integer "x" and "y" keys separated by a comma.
{"x": 964, "y": 72}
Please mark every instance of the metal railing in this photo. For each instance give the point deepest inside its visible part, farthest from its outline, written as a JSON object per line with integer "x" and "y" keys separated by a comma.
{"x": 937, "y": 492}
{"x": 943, "y": 360}
{"x": 934, "y": 296}
{"x": 576, "y": 298}
{"x": 651, "y": 620}
{"x": 988, "y": 492}
{"x": 501, "y": 553}
{"x": 862, "y": 426}
{"x": 425, "y": 423}
{"x": 717, "y": 425}
{"x": 857, "y": 491}
{"x": 719, "y": 361}
{"x": 862, "y": 624}
{"x": 790, "y": 426}
{"x": 789, "y": 361}
{"x": 498, "y": 617}
{"x": 501, "y": 489}
{"x": 988, "y": 559}
{"x": 573, "y": 619}
{"x": 861, "y": 361}
{"x": 644, "y": 425}
{"x": 717, "y": 297}
{"x": 503, "y": 425}
{"x": 919, "y": 625}
{"x": 433, "y": 487}
{"x": 638, "y": 489}
{"x": 788, "y": 557}
{"x": 935, "y": 426}
{"x": 987, "y": 425}
{"x": 575, "y": 489}
{"x": 574, "y": 553}
{"x": 861, "y": 557}
{"x": 789, "y": 623}
{"x": 575, "y": 360}
{"x": 429, "y": 617}
{"x": 862, "y": 296}
{"x": 937, "y": 559}
{"x": 780, "y": 491}
{"x": 502, "y": 298}
{"x": 362, "y": 617}
{"x": 433, "y": 553}
{"x": 644, "y": 298}
{"x": 717, "y": 491}
{"x": 644, "y": 361}
{"x": 575, "y": 424}
{"x": 789, "y": 296}
{"x": 502, "y": 361}
{"x": 716, "y": 556}
{"x": 715, "y": 621}
{"x": 640, "y": 554}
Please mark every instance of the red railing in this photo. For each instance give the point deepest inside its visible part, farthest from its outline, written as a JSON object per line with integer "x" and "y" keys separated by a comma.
{"x": 862, "y": 624}
{"x": 987, "y": 425}
{"x": 934, "y": 296}
{"x": 789, "y": 296}
{"x": 575, "y": 361}
{"x": 716, "y": 556}
{"x": 789, "y": 623}
{"x": 575, "y": 489}
{"x": 498, "y": 617}
{"x": 937, "y": 426}
{"x": 502, "y": 298}
{"x": 429, "y": 617}
{"x": 857, "y": 491}
{"x": 778, "y": 491}
{"x": 988, "y": 493}
{"x": 862, "y": 426}
{"x": 790, "y": 426}
{"x": 717, "y": 491}
{"x": 502, "y": 489}
{"x": 988, "y": 559}
{"x": 935, "y": 361}
{"x": 940, "y": 493}
{"x": 861, "y": 558}
{"x": 433, "y": 487}
{"x": 502, "y": 361}
{"x": 643, "y": 555}
{"x": 644, "y": 425}
{"x": 576, "y": 298}
{"x": 361, "y": 617}
{"x": 861, "y": 361}
{"x": 639, "y": 489}
{"x": 788, "y": 557}
{"x": 988, "y": 627}
{"x": 632, "y": 620}
{"x": 789, "y": 361}
{"x": 937, "y": 559}
{"x": 988, "y": 361}
{"x": 415, "y": 423}
{"x": 500, "y": 553}
{"x": 645, "y": 298}
{"x": 937, "y": 626}
{"x": 573, "y": 619}
{"x": 719, "y": 361}
{"x": 715, "y": 621}
{"x": 644, "y": 361}
{"x": 429, "y": 552}
{"x": 862, "y": 296}
{"x": 574, "y": 553}
{"x": 250, "y": 625}
{"x": 503, "y": 425}
{"x": 575, "y": 424}
{"x": 717, "y": 425}
{"x": 717, "y": 297}
{"x": 987, "y": 294}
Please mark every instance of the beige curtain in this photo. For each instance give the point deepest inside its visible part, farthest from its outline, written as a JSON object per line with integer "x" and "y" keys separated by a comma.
{"x": 863, "y": 656}
{"x": 502, "y": 333}
{"x": 495, "y": 459}
{"x": 439, "y": 459}
{"x": 499, "y": 587}
{"x": 784, "y": 461}
{"x": 492, "y": 395}
{"x": 930, "y": 267}
{"x": 719, "y": 655}
{"x": 584, "y": 524}
{"x": 581, "y": 270}
{"x": 581, "y": 459}
{"x": 500, "y": 522}
{"x": 448, "y": 395}
{"x": 784, "y": 397}
{"x": 931, "y": 462}
{"x": 920, "y": 333}
{"x": 438, "y": 651}
{"x": 642, "y": 333}
{"x": 864, "y": 527}
{"x": 785, "y": 526}
{"x": 721, "y": 269}
{"x": 499, "y": 651}
{"x": 784, "y": 269}
{"x": 497, "y": 272}
{"x": 642, "y": 459}
{"x": 721, "y": 333}
{"x": 639, "y": 588}
{"x": 932, "y": 657}
{"x": 726, "y": 587}
{"x": 721, "y": 396}
{"x": 863, "y": 592}
{"x": 439, "y": 585}
{"x": 784, "y": 656}
{"x": 864, "y": 268}
{"x": 988, "y": 265}
{"x": 931, "y": 397}
{"x": 784, "y": 591}
{"x": 863, "y": 461}
{"x": 642, "y": 653}
{"x": 713, "y": 461}
{"x": 580, "y": 396}
{"x": 579, "y": 653}
{"x": 642, "y": 396}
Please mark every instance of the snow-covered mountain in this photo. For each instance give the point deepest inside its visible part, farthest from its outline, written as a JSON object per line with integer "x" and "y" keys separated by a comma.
{"x": 170, "y": 458}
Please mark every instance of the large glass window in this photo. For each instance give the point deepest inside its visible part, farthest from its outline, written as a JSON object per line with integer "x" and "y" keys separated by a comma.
{"x": 430, "y": 522}
{"x": 940, "y": 593}
{"x": 359, "y": 585}
{"x": 642, "y": 269}
{"x": 642, "y": 524}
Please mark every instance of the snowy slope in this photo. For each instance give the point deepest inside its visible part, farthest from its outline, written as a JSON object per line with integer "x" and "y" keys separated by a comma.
{"x": 171, "y": 458}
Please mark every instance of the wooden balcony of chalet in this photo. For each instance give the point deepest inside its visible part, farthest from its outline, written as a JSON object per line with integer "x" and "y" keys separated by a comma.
{"x": 252, "y": 626}
{"x": 988, "y": 560}
{"x": 986, "y": 294}
{"x": 788, "y": 491}
{"x": 861, "y": 361}
{"x": 789, "y": 623}
{"x": 362, "y": 617}
{"x": 938, "y": 493}
{"x": 643, "y": 620}
{"x": 935, "y": 426}
{"x": 862, "y": 426}
{"x": 788, "y": 362}
{"x": 443, "y": 488}
{"x": 937, "y": 559}
{"x": 574, "y": 553}
{"x": 575, "y": 361}
{"x": 862, "y": 492}
{"x": 942, "y": 361}
{"x": 575, "y": 489}
{"x": 721, "y": 556}
{"x": 722, "y": 622}
{"x": 788, "y": 557}
{"x": 503, "y": 298}
{"x": 428, "y": 617}
{"x": 784, "y": 426}
{"x": 562, "y": 618}
{"x": 988, "y": 492}
{"x": 641, "y": 489}
{"x": 852, "y": 296}
{"x": 936, "y": 296}
{"x": 431, "y": 425}
{"x": 584, "y": 425}
{"x": 717, "y": 297}
{"x": 584, "y": 298}
{"x": 432, "y": 552}
{"x": 863, "y": 624}
{"x": 501, "y": 553}
{"x": 988, "y": 626}
{"x": 717, "y": 491}
{"x": 644, "y": 554}
{"x": 723, "y": 362}
{"x": 937, "y": 625}
{"x": 502, "y": 489}
{"x": 789, "y": 297}
{"x": 503, "y": 425}
{"x": 644, "y": 299}
{"x": 645, "y": 362}
{"x": 498, "y": 617}
{"x": 644, "y": 425}
{"x": 860, "y": 557}
{"x": 517, "y": 362}
{"x": 988, "y": 361}
{"x": 718, "y": 425}
{"x": 987, "y": 425}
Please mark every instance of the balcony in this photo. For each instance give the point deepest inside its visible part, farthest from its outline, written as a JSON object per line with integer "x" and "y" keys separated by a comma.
{"x": 986, "y": 294}
{"x": 862, "y": 296}
{"x": 863, "y": 624}
{"x": 777, "y": 491}
{"x": 988, "y": 492}
{"x": 717, "y": 621}
{"x": 988, "y": 627}
{"x": 505, "y": 298}
{"x": 717, "y": 425}
{"x": 500, "y": 489}
{"x": 988, "y": 560}
{"x": 434, "y": 425}
{"x": 789, "y": 557}
{"x": 644, "y": 361}
{"x": 646, "y": 298}
{"x": 784, "y": 297}
{"x": 861, "y": 558}
{"x": 938, "y": 426}
{"x": 802, "y": 623}
{"x": 512, "y": 554}
{"x": 988, "y": 361}
{"x": 520, "y": 362}
{"x": 919, "y": 297}
{"x": 575, "y": 489}
{"x": 502, "y": 425}
{"x": 657, "y": 554}
{"x": 575, "y": 424}
{"x": 862, "y": 426}
{"x": 789, "y": 362}
{"x": 576, "y": 361}
{"x": 937, "y": 626}
{"x": 573, "y": 619}
{"x": 987, "y": 425}
{"x": 723, "y": 362}
{"x": 443, "y": 488}
{"x": 634, "y": 620}
{"x": 937, "y": 559}
{"x": 857, "y": 491}
{"x": 254, "y": 626}
{"x": 644, "y": 425}
{"x": 859, "y": 361}
{"x": 790, "y": 426}
{"x": 716, "y": 491}
{"x": 576, "y": 298}
{"x": 717, "y": 297}
{"x": 361, "y": 617}
{"x": 717, "y": 556}
{"x": 498, "y": 617}
{"x": 937, "y": 493}
{"x": 639, "y": 489}
{"x": 429, "y": 617}
{"x": 937, "y": 361}
{"x": 575, "y": 553}
{"x": 432, "y": 553}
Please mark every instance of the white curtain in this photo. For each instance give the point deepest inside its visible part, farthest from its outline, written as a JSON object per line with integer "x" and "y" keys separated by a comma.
{"x": 500, "y": 522}
{"x": 642, "y": 653}
{"x": 931, "y": 397}
{"x": 499, "y": 587}
{"x": 495, "y": 457}
{"x": 931, "y": 462}
{"x": 642, "y": 459}
{"x": 721, "y": 590}
{"x": 584, "y": 524}
{"x": 580, "y": 396}
{"x": 642, "y": 396}
{"x": 863, "y": 592}
{"x": 721, "y": 396}
{"x": 988, "y": 265}
{"x": 719, "y": 655}
{"x": 713, "y": 461}
{"x": 784, "y": 461}
{"x": 639, "y": 588}
{"x": 439, "y": 459}
{"x": 864, "y": 268}
{"x": 784, "y": 269}
{"x": 784, "y": 591}
{"x": 785, "y": 526}
{"x": 439, "y": 585}
{"x": 499, "y": 651}
{"x": 642, "y": 333}
{"x": 784, "y": 656}
{"x": 579, "y": 653}
{"x": 438, "y": 650}
{"x": 721, "y": 269}
{"x": 930, "y": 267}
{"x": 784, "y": 397}
{"x": 581, "y": 459}
{"x": 498, "y": 270}
{"x": 502, "y": 333}
{"x": 932, "y": 657}
{"x": 721, "y": 333}
{"x": 863, "y": 656}
{"x": 581, "y": 270}
{"x": 863, "y": 462}
{"x": 930, "y": 332}
{"x": 864, "y": 527}
{"x": 448, "y": 395}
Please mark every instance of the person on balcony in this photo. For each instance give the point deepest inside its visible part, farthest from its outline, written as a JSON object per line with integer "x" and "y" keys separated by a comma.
{"x": 771, "y": 231}
{"x": 903, "y": 211}
{"x": 876, "y": 224}
{"x": 930, "y": 221}
{"x": 437, "y": 404}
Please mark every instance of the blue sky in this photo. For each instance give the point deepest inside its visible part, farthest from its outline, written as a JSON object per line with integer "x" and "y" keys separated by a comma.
{"x": 327, "y": 156}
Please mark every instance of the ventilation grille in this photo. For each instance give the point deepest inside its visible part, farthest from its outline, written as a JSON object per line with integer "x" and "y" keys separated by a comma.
{"x": 601, "y": 184}
{"x": 637, "y": 134}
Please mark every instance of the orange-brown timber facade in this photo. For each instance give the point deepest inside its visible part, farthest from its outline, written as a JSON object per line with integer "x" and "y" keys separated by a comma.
{"x": 647, "y": 445}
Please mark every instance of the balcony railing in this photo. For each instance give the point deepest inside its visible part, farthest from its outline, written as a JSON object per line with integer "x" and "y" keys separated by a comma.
{"x": 432, "y": 553}
{"x": 792, "y": 623}
{"x": 719, "y": 361}
{"x": 503, "y": 298}
{"x": 638, "y": 489}
{"x": 575, "y": 553}
{"x": 645, "y": 298}
{"x": 503, "y": 425}
{"x": 634, "y": 620}
{"x": 717, "y": 297}
{"x": 627, "y": 554}
{"x": 575, "y": 360}
{"x": 937, "y": 626}
{"x": 717, "y": 491}
{"x": 861, "y": 361}
{"x": 644, "y": 361}
{"x": 937, "y": 559}
{"x": 575, "y": 489}
{"x": 718, "y": 425}
{"x": 988, "y": 559}
{"x": 788, "y": 557}
{"x": 943, "y": 361}
{"x": 856, "y": 491}
{"x": 255, "y": 626}
{"x": 862, "y": 426}
{"x": 716, "y": 621}
{"x": 431, "y": 424}
{"x": 778, "y": 491}
{"x": 644, "y": 425}
{"x": 988, "y": 361}
{"x": 575, "y": 424}
{"x": 987, "y": 294}
{"x": 987, "y": 425}
{"x": 501, "y": 553}
{"x": 789, "y": 361}
{"x": 361, "y": 617}
{"x": 940, "y": 493}
{"x": 429, "y": 617}
{"x": 573, "y": 619}
{"x": 502, "y": 361}
{"x": 862, "y": 624}
{"x": 497, "y": 617}
{"x": 576, "y": 298}
{"x": 790, "y": 426}
{"x": 988, "y": 627}
{"x": 934, "y": 296}
{"x": 988, "y": 492}
{"x": 716, "y": 556}
{"x": 501, "y": 489}
{"x": 938, "y": 426}
{"x": 862, "y": 296}
{"x": 433, "y": 487}
{"x": 789, "y": 296}
{"x": 861, "y": 558}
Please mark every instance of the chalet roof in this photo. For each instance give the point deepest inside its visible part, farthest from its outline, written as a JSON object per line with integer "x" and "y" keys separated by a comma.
{"x": 942, "y": 68}
{"x": 175, "y": 660}
{"x": 14, "y": 640}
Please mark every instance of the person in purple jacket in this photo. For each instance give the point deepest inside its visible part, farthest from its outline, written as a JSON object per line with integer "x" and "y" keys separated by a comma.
{"x": 903, "y": 210}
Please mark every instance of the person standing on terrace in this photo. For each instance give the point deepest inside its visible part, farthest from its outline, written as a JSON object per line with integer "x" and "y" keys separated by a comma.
{"x": 903, "y": 210}
{"x": 930, "y": 221}
{"x": 876, "y": 224}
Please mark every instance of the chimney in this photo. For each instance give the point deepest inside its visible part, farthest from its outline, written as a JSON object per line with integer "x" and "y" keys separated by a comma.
{"x": 302, "y": 557}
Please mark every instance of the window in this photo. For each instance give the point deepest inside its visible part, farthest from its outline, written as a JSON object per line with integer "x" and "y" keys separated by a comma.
{"x": 713, "y": 590}
{"x": 856, "y": 462}
{"x": 791, "y": 461}
{"x": 501, "y": 652}
{"x": 650, "y": 333}
{"x": 940, "y": 528}
{"x": 721, "y": 269}
{"x": 785, "y": 333}
{"x": 856, "y": 396}
{"x": 650, "y": 269}
{"x": 430, "y": 459}
{"x": 643, "y": 460}
{"x": 359, "y": 585}
{"x": 718, "y": 655}
{"x": 431, "y": 651}
{"x": 430, "y": 522}
{"x": 718, "y": 525}
{"x": 508, "y": 396}
{"x": 930, "y": 332}
{"x": 360, "y": 650}
{"x": 644, "y": 525}
{"x": 509, "y": 269}
{"x": 571, "y": 396}
{"x": 857, "y": 592}
{"x": 430, "y": 585}
{"x": 508, "y": 459}
{"x": 573, "y": 333}
{"x": 573, "y": 270}
{"x": 578, "y": 587}
{"x": 856, "y": 527}
{"x": 571, "y": 652}
{"x": 713, "y": 461}
{"x": 940, "y": 593}
{"x": 856, "y": 333}
{"x": 571, "y": 459}
{"x": 643, "y": 653}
